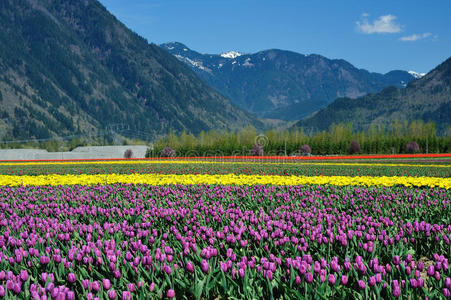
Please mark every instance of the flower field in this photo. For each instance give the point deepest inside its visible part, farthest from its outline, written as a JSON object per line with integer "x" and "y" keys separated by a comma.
{"x": 233, "y": 230}
{"x": 430, "y": 168}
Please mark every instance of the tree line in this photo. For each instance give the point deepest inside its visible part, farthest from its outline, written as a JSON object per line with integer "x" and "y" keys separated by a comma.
{"x": 392, "y": 139}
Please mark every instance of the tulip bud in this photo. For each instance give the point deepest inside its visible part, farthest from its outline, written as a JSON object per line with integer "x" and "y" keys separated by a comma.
{"x": 170, "y": 294}
{"x": 106, "y": 284}
{"x": 24, "y": 275}
{"x": 112, "y": 294}
{"x": 71, "y": 277}
{"x": 190, "y": 267}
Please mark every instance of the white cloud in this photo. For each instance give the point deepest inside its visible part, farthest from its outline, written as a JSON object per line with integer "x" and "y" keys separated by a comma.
{"x": 415, "y": 37}
{"x": 383, "y": 24}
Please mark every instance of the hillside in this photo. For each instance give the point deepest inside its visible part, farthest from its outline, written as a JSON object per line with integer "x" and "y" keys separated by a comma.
{"x": 71, "y": 68}
{"x": 283, "y": 84}
{"x": 427, "y": 98}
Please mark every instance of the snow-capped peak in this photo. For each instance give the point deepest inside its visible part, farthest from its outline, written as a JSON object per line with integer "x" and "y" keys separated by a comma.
{"x": 416, "y": 75}
{"x": 231, "y": 54}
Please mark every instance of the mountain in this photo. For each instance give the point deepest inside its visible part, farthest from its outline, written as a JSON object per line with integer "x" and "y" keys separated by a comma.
{"x": 427, "y": 98}
{"x": 71, "y": 68}
{"x": 283, "y": 84}
{"x": 416, "y": 75}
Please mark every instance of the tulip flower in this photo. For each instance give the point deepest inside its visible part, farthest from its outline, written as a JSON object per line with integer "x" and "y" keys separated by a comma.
{"x": 126, "y": 295}
{"x": 190, "y": 267}
{"x": 204, "y": 266}
{"x": 170, "y": 293}
{"x": 112, "y": 294}
{"x": 24, "y": 275}
{"x": 71, "y": 277}
{"x": 362, "y": 284}
{"x": 106, "y": 284}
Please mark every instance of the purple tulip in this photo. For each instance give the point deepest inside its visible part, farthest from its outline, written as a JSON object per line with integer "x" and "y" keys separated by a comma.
{"x": 23, "y": 275}
{"x": 309, "y": 277}
{"x": 117, "y": 274}
{"x": 332, "y": 279}
{"x": 378, "y": 278}
{"x": 112, "y": 294}
{"x": 16, "y": 288}
{"x": 372, "y": 281}
{"x": 437, "y": 275}
{"x": 190, "y": 267}
{"x": 223, "y": 266}
{"x": 85, "y": 284}
{"x": 152, "y": 286}
{"x": 269, "y": 275}
{"x": 50, "y": 287}
{"x": 126, "y": 295}
{"x": 95, "y": 286}
{"x": 344, "y": 279}
{"x": 420, "y": 266}
{"x": 106, "y": 284}
{"x": 167, "y": 269}
{"x": 413, "y": 282}
{"x": 396, "y": 291}
{"x": 2, "y": 291}
{"x": 131, "y": 287}
{"x": 241, "y": 272}
{"x": 71, "y": 277}
{"x": 204, "y": 266}
{"x": 170, "y": 294}
{"x": 362, "y": 284}
{"x": 446, "y": 292}
{"x": 70, "y": 295}
{"x": 420, "y": 282}
{"x": 9, "y": 285}
{"x": 317, "y": 267}
{"x": 431, "y": 270}
{"x": 55, "y": 293}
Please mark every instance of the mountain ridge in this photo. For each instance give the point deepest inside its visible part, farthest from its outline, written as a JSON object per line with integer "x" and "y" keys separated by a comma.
{"x": 73, "y": 68}
{"x": 282, "y": 84}
{"x": 427, "y": 98}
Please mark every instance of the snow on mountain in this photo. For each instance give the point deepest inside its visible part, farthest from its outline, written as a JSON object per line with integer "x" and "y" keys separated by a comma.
{"x": 247, "y": 63}
{"x": 416, "y": 75}
{"x": 197, "y": 64}
{"x": 231, "y": 54}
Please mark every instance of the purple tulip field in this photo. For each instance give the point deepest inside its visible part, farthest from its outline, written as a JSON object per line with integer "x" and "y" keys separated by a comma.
{"x": 137, "y": 241}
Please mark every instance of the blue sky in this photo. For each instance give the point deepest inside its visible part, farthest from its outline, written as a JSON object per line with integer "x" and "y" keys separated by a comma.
{"x": 376, "y": 35}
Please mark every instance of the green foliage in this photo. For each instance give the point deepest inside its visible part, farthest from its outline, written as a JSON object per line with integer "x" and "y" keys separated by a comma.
{"x": 376, "y": 140}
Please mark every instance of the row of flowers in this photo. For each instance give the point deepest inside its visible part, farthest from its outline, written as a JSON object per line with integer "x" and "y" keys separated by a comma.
{"x": 226, "y": 179}
{"x": 336, "y": 157}
{"x": 141, "y": 162}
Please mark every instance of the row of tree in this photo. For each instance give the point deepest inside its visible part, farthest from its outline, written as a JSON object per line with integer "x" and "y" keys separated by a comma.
{"x": 377, "y": 140}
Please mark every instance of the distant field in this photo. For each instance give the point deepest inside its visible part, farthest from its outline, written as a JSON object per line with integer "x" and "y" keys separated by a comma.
{"x": 432, "y": 167}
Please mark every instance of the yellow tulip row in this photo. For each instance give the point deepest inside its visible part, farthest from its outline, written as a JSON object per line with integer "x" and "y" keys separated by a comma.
{"x": 228, "y": 179}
